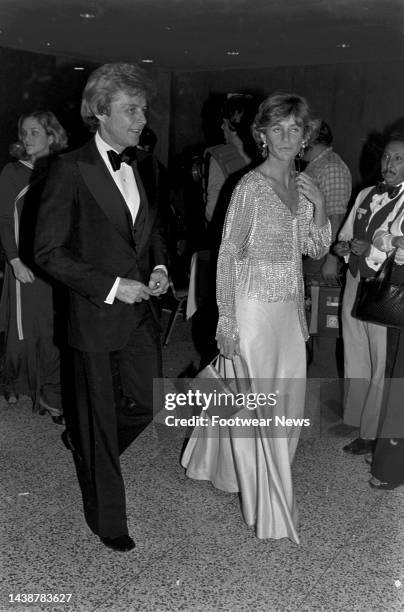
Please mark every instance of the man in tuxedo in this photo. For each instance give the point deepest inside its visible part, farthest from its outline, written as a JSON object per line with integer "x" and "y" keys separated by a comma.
{"x": 98, "y": 234}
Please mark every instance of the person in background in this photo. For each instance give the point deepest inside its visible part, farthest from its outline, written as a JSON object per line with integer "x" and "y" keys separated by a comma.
{"x": 224, "y": 160}
{"x": 32, "y": 360}
{"x": 147, "y": 141}
{"x": 153, "y": 174}
{"x": 365, "y": 343}
{"x": 152, "y": 171}
{"x": 274, "y": 217}
{"x": 100, "y": 236}
{"x": 333, "y": 178}
{"x": 226, "y": 163}
{"x": 388, "y": 460}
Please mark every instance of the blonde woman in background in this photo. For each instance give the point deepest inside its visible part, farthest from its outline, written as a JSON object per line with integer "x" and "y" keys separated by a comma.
{"x": 32, "y": 361}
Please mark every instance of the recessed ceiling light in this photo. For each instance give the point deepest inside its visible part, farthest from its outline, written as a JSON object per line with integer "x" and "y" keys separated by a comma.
{"x": 233, "y": 52}
{"x": 344, "y": 45}
{"x": 87, "y": 15}
{"x": 147, "y": 61}
{"x": 79, "y": 68}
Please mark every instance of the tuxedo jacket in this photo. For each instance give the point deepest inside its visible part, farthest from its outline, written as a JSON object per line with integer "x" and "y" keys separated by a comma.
{"x": 85, "y": 238}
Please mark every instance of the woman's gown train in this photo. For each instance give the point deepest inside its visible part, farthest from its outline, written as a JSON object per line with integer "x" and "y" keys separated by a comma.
{"x": 256, "y": 461}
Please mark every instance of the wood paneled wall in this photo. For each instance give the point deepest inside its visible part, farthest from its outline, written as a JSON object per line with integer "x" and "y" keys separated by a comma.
{"x": 355, "y": 99}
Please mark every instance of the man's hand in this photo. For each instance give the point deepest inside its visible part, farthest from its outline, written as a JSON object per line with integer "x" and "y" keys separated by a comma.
{"x": 329, "y": 269}
{"x": 360, "y": 247}
{"x": 21, "y": 272}
{"x": 342, "y": 248}
{"x": 131, "y": 291}
{"x": 158, "y": 282}
{"x": 398, "y": 241}
{"x": 228, "y": 347}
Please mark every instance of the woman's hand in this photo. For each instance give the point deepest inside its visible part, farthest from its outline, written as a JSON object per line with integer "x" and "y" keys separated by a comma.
{"x": 228, "y": 347}
{"x": 341, "y": 248}
{"x": 21, "y": 272}
{"x": 398, "y": 241}
{"x": 360, "y": 247}
{"x": 308, "y": 188}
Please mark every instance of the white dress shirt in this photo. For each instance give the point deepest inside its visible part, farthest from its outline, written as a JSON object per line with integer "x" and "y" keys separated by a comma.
{"x": 124, "y": 177}
{"x": 126, "y": 183}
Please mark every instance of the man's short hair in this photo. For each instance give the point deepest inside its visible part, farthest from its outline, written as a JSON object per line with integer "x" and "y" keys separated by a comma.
{"x": 396, "y": 136}
{"x": 105, "y": 83}
{"x": 324, "y": 135}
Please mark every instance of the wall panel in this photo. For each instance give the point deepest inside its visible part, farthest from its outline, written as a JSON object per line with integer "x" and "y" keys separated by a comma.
{"x": 355, "y": 98}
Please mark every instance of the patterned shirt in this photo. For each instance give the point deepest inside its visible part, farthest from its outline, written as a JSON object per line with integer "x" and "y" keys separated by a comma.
{"x": 333, "y": 178}
{"x": 261, "y": 251}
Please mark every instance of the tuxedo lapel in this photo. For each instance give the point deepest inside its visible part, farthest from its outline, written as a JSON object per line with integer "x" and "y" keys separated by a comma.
{"x": 104, "y": 190}
{"x": 143, "y": 216}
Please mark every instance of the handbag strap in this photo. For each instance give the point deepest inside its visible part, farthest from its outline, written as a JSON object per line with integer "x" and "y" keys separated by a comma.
{"x": 215, "y": 359}
{"x": 384, "y": 272}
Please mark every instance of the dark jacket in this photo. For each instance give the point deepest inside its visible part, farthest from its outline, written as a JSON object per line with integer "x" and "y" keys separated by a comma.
{"x": 85, "y": 239}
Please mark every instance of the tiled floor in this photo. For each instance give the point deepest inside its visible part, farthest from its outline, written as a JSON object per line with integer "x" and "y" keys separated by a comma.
{"x": 194, "y": 553}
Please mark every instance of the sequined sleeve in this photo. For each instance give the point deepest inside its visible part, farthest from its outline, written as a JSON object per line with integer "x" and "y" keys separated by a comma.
{"x": 317, "y": 241}
{"x": 237, "y": 228}
{"x": 261, "y": 252}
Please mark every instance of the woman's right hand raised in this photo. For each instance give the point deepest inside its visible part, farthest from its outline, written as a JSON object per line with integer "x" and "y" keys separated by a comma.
{"x": 21, "y": 272}
{"x": 228, "y": 347}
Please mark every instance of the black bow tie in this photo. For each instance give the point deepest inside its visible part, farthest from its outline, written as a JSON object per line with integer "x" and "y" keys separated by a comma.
{"x": 127, "y": 156}
{"x": 392, "y": 191}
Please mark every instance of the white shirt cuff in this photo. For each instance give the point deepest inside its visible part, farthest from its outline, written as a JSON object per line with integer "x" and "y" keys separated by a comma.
{"x": 111, "y": 295}
{"x": 161, "y": 267}
{"x": 375, "y": 258}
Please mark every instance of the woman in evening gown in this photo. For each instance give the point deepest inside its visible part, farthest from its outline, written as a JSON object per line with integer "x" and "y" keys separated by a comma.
{"x": 274, "y": 218}
{"x": 32, "y": 360}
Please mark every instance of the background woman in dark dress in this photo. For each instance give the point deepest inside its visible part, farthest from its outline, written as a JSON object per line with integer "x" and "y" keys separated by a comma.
{"x": 32, "y": 361}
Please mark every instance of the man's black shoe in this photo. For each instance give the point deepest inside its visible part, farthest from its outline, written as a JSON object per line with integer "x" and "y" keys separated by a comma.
{"x": 120, "y": 544}
{"x": 360, "y": 447}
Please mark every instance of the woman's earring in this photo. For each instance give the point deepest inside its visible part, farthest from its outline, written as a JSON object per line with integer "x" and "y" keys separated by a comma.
{"x": 302, "y": 149}
{"x": 264, "y": 148}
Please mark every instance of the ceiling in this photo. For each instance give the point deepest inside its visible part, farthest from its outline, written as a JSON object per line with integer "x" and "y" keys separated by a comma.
{"x": 207, "y": 34}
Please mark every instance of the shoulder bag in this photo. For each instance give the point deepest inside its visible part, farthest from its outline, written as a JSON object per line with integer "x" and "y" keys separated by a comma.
{"x": 380, "y": 301}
